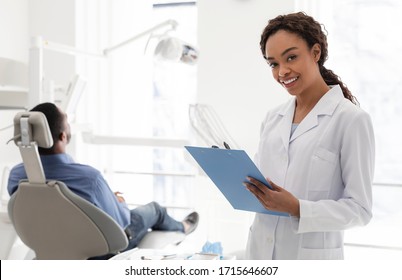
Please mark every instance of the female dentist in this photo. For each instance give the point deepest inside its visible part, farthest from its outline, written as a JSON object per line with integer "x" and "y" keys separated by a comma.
{"x": 317, "y": 151}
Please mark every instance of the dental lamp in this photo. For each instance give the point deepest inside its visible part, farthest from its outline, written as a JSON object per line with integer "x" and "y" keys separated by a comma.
{"x": 168, "y": 49}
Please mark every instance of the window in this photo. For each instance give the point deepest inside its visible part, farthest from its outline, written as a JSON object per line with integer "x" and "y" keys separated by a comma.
{"x": 132, "y": 95}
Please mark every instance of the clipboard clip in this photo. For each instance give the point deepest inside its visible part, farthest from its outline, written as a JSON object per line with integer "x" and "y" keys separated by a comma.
{"x": 226, "y": 145}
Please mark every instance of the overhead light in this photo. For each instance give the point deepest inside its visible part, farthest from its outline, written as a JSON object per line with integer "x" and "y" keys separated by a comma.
{"x": 168, "y": 48}
{"x": 174, "y": 49}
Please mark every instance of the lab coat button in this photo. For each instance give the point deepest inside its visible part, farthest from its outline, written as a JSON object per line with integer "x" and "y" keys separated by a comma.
{"x": 269, "y": 239}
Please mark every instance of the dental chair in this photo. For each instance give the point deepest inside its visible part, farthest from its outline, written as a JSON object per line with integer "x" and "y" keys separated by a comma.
{"x": 49, "y": 218}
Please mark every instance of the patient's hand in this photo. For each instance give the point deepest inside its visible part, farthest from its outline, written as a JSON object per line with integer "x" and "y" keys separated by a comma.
{"x": 119, "y": 197}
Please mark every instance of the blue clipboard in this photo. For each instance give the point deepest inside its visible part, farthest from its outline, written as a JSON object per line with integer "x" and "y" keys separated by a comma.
{"x": 228, "y": 169}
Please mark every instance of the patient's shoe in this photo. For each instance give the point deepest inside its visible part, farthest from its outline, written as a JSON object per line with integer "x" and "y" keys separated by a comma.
{"x": 190, "y": 223}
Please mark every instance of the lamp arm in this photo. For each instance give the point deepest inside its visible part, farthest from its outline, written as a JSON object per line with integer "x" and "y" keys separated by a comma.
{"x": 170, "y": 22}
{"x": 60, "y": 48}
{"x": 36, "y": 58}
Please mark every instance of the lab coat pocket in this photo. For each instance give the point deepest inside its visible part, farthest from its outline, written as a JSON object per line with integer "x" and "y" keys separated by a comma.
{"x": 321, "y": 172}
{"x": 320, "y": 254}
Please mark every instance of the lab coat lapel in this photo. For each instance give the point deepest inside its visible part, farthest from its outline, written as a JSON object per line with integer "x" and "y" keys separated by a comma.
{"x": 309, "y": 122}
{"x": 286, "y": 122}
{"x": 325, "y": 106}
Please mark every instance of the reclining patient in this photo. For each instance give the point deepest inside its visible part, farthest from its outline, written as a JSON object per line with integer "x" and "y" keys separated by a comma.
{"x": 88, "y": 183}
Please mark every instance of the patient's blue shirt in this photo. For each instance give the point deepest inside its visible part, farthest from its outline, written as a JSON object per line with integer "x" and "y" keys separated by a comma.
{"x": 83, "y": 180}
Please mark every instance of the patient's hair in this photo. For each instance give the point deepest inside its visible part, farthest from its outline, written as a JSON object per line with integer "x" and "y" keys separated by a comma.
{"x": 311, "y": 32}
{"x": 55, "y": 120}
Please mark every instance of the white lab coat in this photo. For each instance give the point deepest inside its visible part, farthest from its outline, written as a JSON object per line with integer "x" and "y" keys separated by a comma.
{"x": 328, "y": 164}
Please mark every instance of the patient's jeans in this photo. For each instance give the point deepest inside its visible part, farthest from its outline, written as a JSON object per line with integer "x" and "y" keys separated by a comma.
{"x": 150, "y": 216}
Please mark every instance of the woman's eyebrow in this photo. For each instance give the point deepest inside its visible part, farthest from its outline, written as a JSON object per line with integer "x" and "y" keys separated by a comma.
{"x": 284, "y": 52}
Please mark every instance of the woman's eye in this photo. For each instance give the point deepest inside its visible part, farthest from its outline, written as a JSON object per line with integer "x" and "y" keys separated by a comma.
{"x": 272, "y": 64}
{"x": 292, "y": 57}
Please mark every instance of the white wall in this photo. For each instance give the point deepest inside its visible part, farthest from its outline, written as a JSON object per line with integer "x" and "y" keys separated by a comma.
{"x": 19, "y": 21}
{"x": 14, "y": 45}
{"x": 54, "y": 20}
{"x": 236, "y": 81}
{"x": 14, "y": 29}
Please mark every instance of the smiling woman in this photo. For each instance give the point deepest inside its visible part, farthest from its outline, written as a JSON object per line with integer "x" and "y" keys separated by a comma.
{"x": 293, "y": 40}
{"x": 317, "y": 151}
{"x": 294, "y": 66}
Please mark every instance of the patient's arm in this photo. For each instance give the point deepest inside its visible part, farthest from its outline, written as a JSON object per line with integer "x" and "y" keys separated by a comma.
{"x": 119, "y": 197}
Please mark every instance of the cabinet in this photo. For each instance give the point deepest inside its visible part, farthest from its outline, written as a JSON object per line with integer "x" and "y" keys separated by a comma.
{"x": 13, "y": 84}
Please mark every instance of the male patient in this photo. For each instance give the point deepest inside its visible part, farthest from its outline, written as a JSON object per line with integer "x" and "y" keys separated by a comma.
{"x": 88, "y": 183}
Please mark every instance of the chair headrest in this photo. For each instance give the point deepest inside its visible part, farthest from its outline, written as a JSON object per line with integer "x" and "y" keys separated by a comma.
{"x": 38, "y": 130}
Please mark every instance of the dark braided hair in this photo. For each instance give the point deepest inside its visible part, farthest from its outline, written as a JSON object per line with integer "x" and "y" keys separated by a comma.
{"x": 310, "y": 31}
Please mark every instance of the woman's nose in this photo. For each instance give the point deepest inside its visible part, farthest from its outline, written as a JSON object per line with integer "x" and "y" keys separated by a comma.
{"x": 283, "y": 71}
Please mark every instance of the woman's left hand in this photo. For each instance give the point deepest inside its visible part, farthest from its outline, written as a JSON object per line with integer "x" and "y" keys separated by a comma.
{"x": 277, "y": 199}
